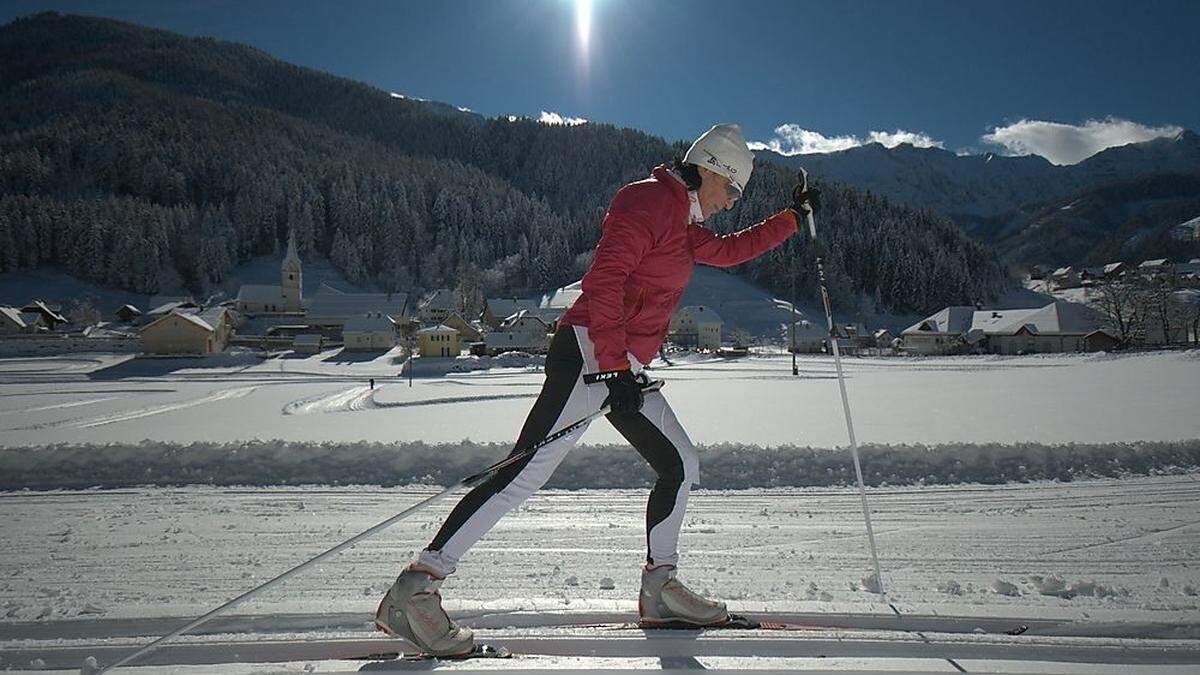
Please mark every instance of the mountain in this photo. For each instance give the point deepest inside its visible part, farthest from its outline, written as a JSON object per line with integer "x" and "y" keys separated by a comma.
{"x": 975, "y": 188}
{"x": 1129, "y": 220}
{"x": 144, "y": 160}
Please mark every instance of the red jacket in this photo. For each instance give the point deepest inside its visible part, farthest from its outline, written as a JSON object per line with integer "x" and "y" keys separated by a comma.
{"x": 643, "y": 263}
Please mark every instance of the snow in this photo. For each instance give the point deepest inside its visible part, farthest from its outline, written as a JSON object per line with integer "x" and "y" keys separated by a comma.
{"x": 1104, "y": 571}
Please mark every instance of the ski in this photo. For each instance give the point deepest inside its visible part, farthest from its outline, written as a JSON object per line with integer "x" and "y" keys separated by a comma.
{"x": 740, "y": 622}
{"x": 483, "y": 651}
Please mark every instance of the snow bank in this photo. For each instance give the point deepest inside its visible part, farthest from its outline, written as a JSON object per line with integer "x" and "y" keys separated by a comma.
{"x": 723, "y": 466}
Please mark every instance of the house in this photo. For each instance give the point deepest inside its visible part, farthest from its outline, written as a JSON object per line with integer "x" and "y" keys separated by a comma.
{"x": 271, "y": 299}
{"x": 307, "y": 343}
{"x": 496, "y": 310}
{"x": 127, "y": 313}
{"x": 1066, "y": 277}
{"x": 161, "y": 306}
{"x": 1090, "y": 276}
{"x": 330, "y": 307}
{"x": 438, "y": 341}
{"x": 564, "y": 297}
{"x": 1153, "y": 269}
{"x": 809, "y": 338}
{"x": 11, "y": 321}
{"x": 1037, "y": 272}
{"x": 520, "y": 332}
{"x": 1114, "y": 270}
{"x": 436, "y": 306}
{"x": 695, "y": 327}
{"x": 548, "y": 315}
{"x": 373, "y": 332}
{"x": 884, "y": 338}
{"x": 942, "y": 333}
{"x": 1056, "y": 327}
{"x": 187, "y": 332}
{"x": 466, "y": 331}
{"x": 1187, "y": 274}
{"x": 51, "y": 318}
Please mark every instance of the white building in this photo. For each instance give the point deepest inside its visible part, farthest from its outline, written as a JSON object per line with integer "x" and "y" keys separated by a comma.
{"x": 436, "y": 306}
{"x": 695, "y": 326}
{"x": 521, "y": 332}
{"x": 270, "y": 299}
{"x": 1056, "y": 327}
{"x": 369, "y": 333}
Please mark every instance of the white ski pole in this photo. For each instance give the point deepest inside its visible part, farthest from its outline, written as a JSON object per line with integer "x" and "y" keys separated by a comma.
{"x": 837, "y": 360}
{"x": 470, "y": 482}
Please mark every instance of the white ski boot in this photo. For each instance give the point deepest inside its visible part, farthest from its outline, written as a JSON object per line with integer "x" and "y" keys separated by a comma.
{"x": 666, "y": 602}
{"x": 412, "y": 609}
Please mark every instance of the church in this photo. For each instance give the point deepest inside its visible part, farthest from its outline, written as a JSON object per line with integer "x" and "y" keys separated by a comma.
{"x": 269, "y": 299}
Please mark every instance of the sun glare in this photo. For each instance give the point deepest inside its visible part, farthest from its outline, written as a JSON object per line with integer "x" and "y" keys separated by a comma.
{"x": 583, "y": 22}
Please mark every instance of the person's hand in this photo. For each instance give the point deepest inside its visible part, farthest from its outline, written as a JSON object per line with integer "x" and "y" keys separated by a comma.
{"x": 805, "y": 201}
{"x": 624, "y": 393}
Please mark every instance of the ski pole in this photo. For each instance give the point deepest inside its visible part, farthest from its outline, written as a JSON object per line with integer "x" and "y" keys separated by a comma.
{"x": 837, "y": 360}
{"x": 469, "y": 482}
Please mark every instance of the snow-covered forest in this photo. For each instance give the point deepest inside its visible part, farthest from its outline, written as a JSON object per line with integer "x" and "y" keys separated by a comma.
{"x": 149, "y": 161}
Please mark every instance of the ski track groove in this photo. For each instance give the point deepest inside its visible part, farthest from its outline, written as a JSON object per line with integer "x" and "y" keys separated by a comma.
{"x": 357, "y": 399}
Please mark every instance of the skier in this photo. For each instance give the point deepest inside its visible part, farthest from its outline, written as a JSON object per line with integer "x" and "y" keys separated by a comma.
{"x": 652, "y": 236}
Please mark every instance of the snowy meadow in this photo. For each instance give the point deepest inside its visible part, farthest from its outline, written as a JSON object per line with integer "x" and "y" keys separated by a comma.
{"x": 1059, "y": 491}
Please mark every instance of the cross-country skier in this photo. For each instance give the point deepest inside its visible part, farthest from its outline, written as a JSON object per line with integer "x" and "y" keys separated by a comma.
{"x": 652, "y": 236}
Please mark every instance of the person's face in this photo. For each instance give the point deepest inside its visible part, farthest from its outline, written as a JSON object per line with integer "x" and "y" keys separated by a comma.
{"x": 716, "y": 193}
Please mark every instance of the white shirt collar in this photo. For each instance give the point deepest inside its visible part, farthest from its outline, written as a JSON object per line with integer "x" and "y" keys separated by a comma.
{"x": 696, "y": 214}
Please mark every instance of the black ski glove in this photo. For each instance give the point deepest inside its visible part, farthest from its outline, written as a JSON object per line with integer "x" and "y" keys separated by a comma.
{"x": 804, "y": 200}
{"x": 624, "y": 393}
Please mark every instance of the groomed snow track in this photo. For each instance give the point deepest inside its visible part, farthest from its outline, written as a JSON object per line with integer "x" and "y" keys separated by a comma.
{"x": 547, "y": 642}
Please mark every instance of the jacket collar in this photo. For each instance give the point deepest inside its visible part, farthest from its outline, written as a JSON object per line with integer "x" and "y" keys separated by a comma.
{"x": 663, "y": 174}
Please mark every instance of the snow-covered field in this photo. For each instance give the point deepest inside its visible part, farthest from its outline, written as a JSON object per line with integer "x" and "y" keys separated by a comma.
{"x": 1049, "y": 399}
{"x": 1105, "y": 572}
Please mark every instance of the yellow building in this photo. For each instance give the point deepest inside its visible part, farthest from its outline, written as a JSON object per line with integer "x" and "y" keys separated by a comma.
{"x": 439, "y": 340}
{"x": 187, "y": 333}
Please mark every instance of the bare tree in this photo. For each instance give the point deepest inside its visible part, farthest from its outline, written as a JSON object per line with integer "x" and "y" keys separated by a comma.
{"x": 1123, "y": 301}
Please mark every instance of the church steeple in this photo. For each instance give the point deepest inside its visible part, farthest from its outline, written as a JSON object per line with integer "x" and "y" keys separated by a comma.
{"x": 290, "y": 277}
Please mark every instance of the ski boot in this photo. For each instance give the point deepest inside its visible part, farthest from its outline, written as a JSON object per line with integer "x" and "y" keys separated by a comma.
{"x": 412, "y": 609}
{"x": 666, "y": 603}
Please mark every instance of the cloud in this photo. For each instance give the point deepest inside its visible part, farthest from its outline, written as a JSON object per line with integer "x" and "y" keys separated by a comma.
{"x": 1068, "y": 143}
{"x": 791, "y": 139}
{"x": 555, "y": 118}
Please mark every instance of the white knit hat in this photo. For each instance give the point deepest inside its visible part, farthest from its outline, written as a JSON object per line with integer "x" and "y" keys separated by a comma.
{"x": 722, "y": 149}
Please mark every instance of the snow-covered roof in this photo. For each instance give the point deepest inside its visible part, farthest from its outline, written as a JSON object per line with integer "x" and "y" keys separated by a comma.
{"x": 168, "y": 307}
{"x": 524, "y": 316}
{"x": 13, "y": 315}
{"x": 130, "y": 309}
{"x": 564, "y": 297}
{"x": 442, "y": 298}
{"x": 213, "y": 316}
{"x": 950, "y": 320}
{"x": 1063, "y": 271}
{"x": 260, "y": 293}
{"x": 369, "y": 324}
{"x": 700, "y": 314}
{"x": 334, "y": 305}
{"x": 41, "y": 308}
{"x": 808, "y": 329}
{"x": 1056, "y": 317}
{"x": 546, "y": 315}
{"x": 1113, "y": 267}
{"x": 505, "y": 307}
{"x": 440, "y": 329}
{"x": 1157, "y": 262}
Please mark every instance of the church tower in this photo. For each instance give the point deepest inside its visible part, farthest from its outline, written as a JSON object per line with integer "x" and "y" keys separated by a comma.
{"x": 289, "y": 277}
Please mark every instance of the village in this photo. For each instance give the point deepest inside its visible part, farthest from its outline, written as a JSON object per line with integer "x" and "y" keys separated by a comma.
{"x": 270, "y": 319}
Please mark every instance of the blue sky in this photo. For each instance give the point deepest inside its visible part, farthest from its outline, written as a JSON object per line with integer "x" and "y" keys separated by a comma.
{"x": 1059, "y": 78}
